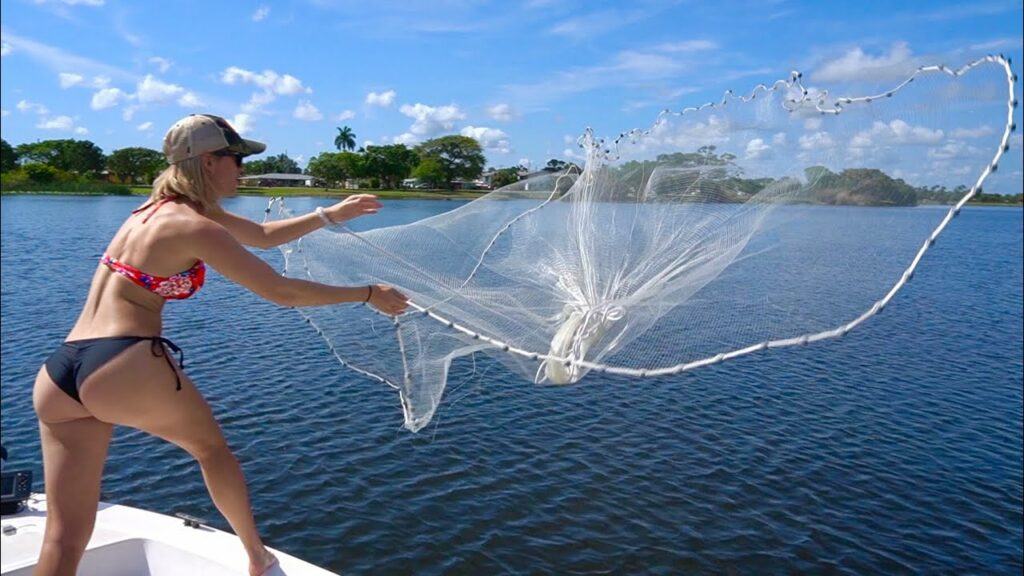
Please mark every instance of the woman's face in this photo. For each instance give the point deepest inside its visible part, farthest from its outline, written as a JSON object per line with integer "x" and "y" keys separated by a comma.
{"x": 224, "y": 170}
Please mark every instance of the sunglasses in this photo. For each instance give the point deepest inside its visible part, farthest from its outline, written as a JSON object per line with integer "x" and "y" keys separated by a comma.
{"x": 238, "y": 157}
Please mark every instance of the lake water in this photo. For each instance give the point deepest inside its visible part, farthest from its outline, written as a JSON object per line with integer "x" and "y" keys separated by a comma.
{"x": 895, "y": 450}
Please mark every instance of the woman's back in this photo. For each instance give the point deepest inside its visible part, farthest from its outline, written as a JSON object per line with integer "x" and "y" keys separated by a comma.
{"x": 153, "y": 242}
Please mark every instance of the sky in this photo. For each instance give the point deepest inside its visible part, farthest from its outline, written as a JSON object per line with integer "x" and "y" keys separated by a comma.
{"x": 523, "y": 77}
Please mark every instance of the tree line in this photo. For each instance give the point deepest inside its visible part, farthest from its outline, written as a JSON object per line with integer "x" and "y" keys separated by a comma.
{"x": 75, "y": 161}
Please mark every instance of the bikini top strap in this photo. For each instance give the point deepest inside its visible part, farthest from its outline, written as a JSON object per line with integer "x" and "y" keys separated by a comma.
{"x": 147, "y": 205}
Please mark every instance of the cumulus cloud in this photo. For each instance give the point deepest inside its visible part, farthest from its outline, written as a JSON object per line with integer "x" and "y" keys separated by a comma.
{"x": 895, "y": 132}
{"x": 953, "y": 149}
{"x": 144, "y": 126}
{"x": 152, "y": 90}
{"x": 757, "y": 148}
{"x": 687, "y": 136}
{"x": 67, "y": 80}
{"x": 26, "y": 106}
{"x": 281, "y": 84}
{"x": 5, "y": 49}
{"x": 500, "y": 112}
{"x": 242, "y": 123}
{"x": 4, "y": 113}
{"x": 81, "y": 130}
{"x": 345, "y": 115}
{"x": 106, "y": 98}
{"x": 429, "y": 121}
{"x": 978, "y": 132}
{"x": 382, "y": 99}
{"x": 489, "y": 138}
{"x": 305, "y": 110}
{"x": 162, "y": 64}
{"x": 261, "y": 13}
{"x": 65, "y": 123}
{"x": 816, "y": 141}
{"x": 856, "y": 65}
{"x": 189, "y": 100}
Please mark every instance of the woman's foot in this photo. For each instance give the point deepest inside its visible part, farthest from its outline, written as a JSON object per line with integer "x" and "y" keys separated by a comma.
{"x": 262, "y": 564}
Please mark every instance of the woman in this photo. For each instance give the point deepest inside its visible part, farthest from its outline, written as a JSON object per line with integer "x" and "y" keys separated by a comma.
{"x": 114, "y": 368}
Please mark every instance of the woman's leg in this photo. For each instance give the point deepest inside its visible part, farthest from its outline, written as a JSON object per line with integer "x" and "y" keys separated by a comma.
{"x": 74, "y": 449}
{"x": 148, "y": 401}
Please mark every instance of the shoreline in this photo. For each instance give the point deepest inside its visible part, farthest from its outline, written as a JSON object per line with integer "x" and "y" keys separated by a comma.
{"x": 287, "y": 192}
{"x": 339, "y": 193}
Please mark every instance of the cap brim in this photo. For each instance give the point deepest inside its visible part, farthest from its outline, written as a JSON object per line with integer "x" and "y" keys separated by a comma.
{"x": 248, "y": 147}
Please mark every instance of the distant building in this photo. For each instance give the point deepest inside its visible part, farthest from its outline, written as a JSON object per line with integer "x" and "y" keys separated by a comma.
{"x": 277, "y": 180}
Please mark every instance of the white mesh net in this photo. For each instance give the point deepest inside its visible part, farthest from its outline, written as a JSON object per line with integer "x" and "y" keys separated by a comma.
{"x": 785, "y": 216}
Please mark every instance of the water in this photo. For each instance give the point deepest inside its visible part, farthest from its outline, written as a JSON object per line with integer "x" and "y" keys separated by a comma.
{"x": 895, "y": 450}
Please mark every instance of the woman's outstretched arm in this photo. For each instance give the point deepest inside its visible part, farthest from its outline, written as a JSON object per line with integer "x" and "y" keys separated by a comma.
{"x": 278, "y": 232}
{"x": 216, "y": 246}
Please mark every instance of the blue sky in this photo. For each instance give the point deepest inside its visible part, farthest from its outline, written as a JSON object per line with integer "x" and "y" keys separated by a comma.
{"x": 524, "y": 77}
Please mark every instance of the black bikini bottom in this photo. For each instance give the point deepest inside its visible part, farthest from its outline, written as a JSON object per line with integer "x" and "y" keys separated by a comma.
{"x": 75, "y": 360}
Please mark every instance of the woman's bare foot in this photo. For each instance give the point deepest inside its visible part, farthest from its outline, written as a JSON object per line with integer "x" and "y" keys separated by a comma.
{"x": 262, "y": 564}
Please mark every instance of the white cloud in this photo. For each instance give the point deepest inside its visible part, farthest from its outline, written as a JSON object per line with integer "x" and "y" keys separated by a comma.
{"x": 190, "y": 100}
{"x": 858, "y": 65}
{"x": 162, "y": 64}
{"x": 816, "y": 141}
{"x": 257, "y": 101}
{"x": 106, "y": 98}
{"x": 57, "y": 123}
{"x": 242, "y": 123}
{"x": 525, "y": 163}
{"x": 59, "y": 60}
{"x": 150, "y": 89}
{"x": 144, "y": 126}
{"x": 4, "y": 113}
{"x": 688, "y": 46}
{"x": 756, "y": 149}
{"x": 345, "y": 115}
{"x": 5, "y": 49}
{"x": 406, "y": 138}
{"x": 382, "y": 99}
{"x": 94, "y": 3}
{"x": 779, "y": 139}
{"x": 269, "y": 80}
{"x": 812, "y": 123}
{"x": 81, "y": 130}
{"x": 26, "y": 106}
{"x": 129, "y": 112}
{"x": 686, "y": 136}
{"x": 500, "y": 112}
{"x": 895, "y": 132}
{"x": 305, "y": 110}
{"x": 261, "y": 13}
{"x": 489, "y": 138}
{"x": 100, "y": 81}
{"x": 953, "y": 149}
{"x": 979, "y": 132}
{"x": 429, "y": 121}
{"x": 67, "y": 80}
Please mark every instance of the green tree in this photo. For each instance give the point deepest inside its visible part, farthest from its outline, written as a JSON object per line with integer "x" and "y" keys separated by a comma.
{"x": 41, "y": 173}
{"x": 129, "y": 164}
{"x": 8, "y": 157}
{"x": 555, "y": 165}
{"x": 78, "y": 156}
{"x": 458, "y": 156}
{"x": 335, "y": 167}
{"x": 280, "y": 164}
{"x": 345, "y": 140}
{"x": 391, "y": 164}
{"x": 504, "y": 177}
{"x": 431, "y": 171}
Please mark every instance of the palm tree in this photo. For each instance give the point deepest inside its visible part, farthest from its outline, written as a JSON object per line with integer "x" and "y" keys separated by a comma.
{"x": 346, "y": 139}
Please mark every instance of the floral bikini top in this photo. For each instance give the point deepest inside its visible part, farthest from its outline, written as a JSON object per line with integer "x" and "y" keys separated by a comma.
{"x": 176, "y": 287}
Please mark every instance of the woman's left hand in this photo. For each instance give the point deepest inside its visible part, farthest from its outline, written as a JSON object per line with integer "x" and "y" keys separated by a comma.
{"x": 352, "y": 207}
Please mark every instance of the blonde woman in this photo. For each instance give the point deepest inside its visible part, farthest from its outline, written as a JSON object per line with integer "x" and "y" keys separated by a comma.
{"x": 115, "y": 368}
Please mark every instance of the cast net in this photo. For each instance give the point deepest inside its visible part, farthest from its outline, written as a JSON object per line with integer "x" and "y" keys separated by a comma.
{"x": 781, "y": 216}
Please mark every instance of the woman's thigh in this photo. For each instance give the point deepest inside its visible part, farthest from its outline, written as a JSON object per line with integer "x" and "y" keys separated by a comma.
{"x": 139, "y": 390}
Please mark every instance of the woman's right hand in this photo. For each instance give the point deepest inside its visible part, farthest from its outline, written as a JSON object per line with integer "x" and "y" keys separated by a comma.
{"x": 388, "y": 299}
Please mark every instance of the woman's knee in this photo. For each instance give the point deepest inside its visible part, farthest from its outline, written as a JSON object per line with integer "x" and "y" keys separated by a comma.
{"x": 211, "y": 451}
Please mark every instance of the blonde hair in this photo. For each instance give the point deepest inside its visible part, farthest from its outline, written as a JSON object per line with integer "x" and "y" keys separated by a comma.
{"x": 185, "y": 179}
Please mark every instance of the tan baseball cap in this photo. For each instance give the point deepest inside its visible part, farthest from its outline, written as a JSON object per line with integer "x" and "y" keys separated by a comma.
{"x": 198, "y": 134}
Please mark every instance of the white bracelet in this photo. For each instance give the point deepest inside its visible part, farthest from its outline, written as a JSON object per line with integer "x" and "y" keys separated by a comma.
{"x": 323, "y": 216}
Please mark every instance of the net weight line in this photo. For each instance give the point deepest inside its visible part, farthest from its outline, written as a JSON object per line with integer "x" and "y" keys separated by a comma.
{"x": 596, "y": 144}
